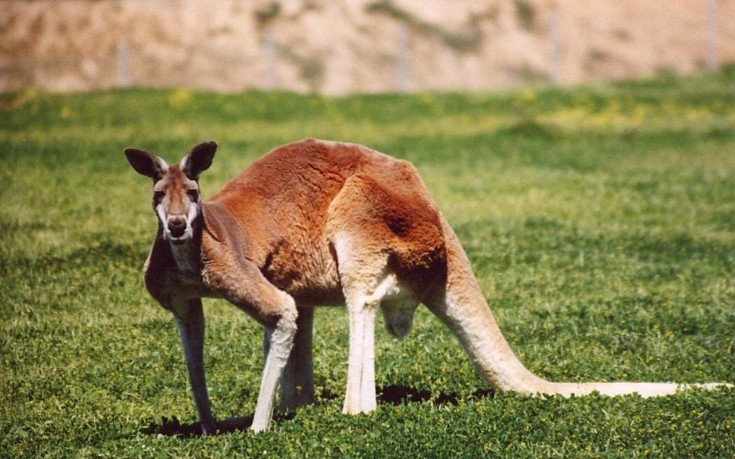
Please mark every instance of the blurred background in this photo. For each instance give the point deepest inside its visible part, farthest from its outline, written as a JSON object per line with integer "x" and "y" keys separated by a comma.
{"x": 366, "y": 46}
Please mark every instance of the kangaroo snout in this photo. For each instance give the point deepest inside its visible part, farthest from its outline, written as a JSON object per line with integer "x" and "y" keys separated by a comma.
{"x": 176, "y": 226}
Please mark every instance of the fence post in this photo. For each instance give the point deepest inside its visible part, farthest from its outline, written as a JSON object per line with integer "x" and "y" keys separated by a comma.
{"x": 555, "y": 42}
{"x": 404, "y": 57}
{"x": 269, "y": 48}
{"x": 123, "y": 69}
{"x": 711, "y": 60}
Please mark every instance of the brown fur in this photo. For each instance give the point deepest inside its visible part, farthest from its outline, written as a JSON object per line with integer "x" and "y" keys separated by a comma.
{"x": 286, "y": 208}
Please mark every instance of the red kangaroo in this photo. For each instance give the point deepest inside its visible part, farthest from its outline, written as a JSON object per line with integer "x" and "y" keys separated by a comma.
{"x": 322, "y": 223}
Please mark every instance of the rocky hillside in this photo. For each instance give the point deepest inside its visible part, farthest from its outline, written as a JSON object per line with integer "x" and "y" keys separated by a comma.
{"x": 337, "y": 47}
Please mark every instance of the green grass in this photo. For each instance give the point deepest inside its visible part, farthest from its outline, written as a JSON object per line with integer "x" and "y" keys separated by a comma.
{"x": 600, "y": 222}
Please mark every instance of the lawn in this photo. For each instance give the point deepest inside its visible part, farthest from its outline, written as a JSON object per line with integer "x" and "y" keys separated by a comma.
{"x": 600, "y": 222}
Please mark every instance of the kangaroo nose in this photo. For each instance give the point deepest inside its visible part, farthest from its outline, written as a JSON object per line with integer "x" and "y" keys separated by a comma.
{"x": 177, "y": 226}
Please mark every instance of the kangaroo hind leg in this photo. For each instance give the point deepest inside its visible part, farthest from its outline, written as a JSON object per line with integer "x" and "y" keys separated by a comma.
{"x": 366, "y": 282}
{"x": 297, "y": 382}
{"x": 369, "y": 228}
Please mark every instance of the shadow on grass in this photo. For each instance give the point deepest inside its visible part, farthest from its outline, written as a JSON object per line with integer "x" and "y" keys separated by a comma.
{"x": 397, "y": 395}
{"x": 173, "y": 428}
{"x": 392, "y": 394}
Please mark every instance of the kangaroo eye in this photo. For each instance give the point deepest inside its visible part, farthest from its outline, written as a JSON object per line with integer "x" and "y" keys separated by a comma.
{"x": 157, "y": 197}
{"x": 193, "y": 195}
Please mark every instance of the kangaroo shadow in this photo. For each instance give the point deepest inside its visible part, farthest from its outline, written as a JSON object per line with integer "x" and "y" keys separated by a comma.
{"x": 391, "y": 394}
{"x": 398, "y": 395}
{"x": 174, "y": 428}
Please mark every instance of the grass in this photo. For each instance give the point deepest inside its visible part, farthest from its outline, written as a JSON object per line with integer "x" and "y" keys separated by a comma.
{"x": 599, "y": 221}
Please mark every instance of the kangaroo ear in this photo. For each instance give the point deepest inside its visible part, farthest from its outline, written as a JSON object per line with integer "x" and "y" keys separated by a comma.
{"x": 146, "y": 163}
{"x": 198, "y": 160}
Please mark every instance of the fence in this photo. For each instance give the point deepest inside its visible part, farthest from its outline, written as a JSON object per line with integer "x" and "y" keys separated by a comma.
{"x": 408, "y": 62}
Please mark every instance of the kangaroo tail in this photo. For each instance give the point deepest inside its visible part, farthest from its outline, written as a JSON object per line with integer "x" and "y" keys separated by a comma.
{"x": 462, "y": 307}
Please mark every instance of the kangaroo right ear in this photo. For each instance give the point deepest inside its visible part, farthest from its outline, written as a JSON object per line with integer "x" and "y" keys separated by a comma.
{"x": 146, "y": 163}
{"x": 199, "y": 159}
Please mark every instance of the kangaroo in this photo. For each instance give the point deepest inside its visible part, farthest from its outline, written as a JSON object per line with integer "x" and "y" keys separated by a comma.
{"x": 318, "y": 223}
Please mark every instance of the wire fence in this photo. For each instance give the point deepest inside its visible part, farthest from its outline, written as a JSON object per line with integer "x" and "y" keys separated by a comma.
{"x": 274, "y": 65}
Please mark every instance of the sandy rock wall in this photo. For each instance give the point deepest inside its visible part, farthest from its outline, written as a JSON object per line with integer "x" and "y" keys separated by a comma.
{"x": 353, "y": 45}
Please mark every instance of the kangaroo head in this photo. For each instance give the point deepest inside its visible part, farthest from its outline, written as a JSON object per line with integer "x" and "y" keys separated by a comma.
{"x": 176, "y": 198}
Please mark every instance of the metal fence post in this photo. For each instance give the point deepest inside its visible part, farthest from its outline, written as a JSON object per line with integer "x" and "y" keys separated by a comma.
{"x": 711, "y": 60}
{"x": 123, "y": 69}
{"x": 404, "y": 57}
{"x": 555, "y": 42}
{"x": 269, "y": 47}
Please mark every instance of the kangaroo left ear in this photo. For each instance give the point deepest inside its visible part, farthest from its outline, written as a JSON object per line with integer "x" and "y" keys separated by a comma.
{"x": 146, "y": 163}
{"x": 198, "y": 160}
